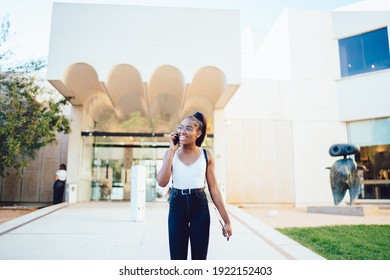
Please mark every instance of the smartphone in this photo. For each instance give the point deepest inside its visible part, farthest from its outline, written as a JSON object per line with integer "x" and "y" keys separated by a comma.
{"x": 224, "y": 230}
{"x": 222, "y": 223}
{"x": 176, "y": 139}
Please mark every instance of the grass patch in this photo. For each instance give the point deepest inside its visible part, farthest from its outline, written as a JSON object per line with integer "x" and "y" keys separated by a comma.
{"x": 345, "y": 242}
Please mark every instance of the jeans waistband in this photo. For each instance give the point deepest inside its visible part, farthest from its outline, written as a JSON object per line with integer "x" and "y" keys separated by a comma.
{"x": 188, "y": 191}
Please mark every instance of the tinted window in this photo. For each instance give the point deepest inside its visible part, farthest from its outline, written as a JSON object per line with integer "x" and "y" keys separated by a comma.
{"x": 363, "y": 53}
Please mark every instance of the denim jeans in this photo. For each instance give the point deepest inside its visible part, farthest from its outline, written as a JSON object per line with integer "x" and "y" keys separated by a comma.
{"x": 58, "y": 191}
{"x": 188, "y": 221}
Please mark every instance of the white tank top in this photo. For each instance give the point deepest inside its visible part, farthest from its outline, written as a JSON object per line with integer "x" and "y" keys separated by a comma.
{"x": 189, "y": 176}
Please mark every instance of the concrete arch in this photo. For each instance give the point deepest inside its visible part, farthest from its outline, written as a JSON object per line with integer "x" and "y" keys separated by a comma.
{"x": 199, "y": 103}
{"x": 209, "y": 81}
{"x": 126, "y": 90}
{"x": 166, "y": 94}
{"x": 166, "y": 79}
{"x": 96, "y": 104}
{"x": 82, "y": 80}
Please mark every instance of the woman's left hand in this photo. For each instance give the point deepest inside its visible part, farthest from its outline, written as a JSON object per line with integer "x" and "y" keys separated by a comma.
{"x": 228, "y": 232}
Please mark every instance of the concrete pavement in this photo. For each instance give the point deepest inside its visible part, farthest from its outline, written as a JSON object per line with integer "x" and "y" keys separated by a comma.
{"x": 104, "y": 231}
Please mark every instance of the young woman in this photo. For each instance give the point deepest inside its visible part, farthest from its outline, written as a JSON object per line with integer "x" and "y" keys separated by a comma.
{"x": 190, "y": 167}
{"x": 59, "y": 184}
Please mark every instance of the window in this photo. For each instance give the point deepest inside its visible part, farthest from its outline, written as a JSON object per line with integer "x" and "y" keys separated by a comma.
{"x": 376, "y": 160}
{"x": 364, "y": 53}
{"x": 373, "y": 137}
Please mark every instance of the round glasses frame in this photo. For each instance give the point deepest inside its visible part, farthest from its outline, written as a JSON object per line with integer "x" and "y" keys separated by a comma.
{"x": 187, "y": 129}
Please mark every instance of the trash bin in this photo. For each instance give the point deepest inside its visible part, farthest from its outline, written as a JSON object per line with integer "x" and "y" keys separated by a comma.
{"x": 71, "y": 193}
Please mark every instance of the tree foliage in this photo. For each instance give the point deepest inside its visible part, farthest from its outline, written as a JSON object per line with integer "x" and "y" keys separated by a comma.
{"x": 26, "y": 124}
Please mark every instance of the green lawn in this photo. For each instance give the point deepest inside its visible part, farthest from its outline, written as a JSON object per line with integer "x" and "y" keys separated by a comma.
{"x": 357, "y": 242}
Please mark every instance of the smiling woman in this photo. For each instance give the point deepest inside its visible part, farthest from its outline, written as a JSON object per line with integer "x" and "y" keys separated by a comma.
{"x": 190, "y": 168}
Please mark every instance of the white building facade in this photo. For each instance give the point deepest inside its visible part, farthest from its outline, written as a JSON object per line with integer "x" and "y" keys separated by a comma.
{"x": 274, "y": 110}
{"x": 298, "y": 102}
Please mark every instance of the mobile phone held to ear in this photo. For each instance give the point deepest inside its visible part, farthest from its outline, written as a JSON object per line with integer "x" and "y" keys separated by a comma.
{"x": 176, "y": 139}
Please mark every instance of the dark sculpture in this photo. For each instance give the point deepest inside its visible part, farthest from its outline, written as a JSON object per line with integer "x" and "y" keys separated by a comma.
{"x": 344, "y": 173}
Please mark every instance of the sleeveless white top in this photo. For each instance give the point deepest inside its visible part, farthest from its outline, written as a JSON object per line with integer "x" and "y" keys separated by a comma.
{"x": 189, "y": 176}
{"x": 61, "y": 174}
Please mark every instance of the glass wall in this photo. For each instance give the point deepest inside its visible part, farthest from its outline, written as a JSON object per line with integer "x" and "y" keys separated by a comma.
{"x": 373, "y": 137}
{"x": 376, "y": 159}
{"x": 108, "y": 161}
{"x": 111, "y": 162}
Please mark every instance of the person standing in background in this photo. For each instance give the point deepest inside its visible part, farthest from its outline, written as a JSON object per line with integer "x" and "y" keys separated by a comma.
{"x": 59, "y": 184}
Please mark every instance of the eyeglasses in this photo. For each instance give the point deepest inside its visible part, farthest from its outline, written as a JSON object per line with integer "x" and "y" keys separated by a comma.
{"x": 188, "y": 129}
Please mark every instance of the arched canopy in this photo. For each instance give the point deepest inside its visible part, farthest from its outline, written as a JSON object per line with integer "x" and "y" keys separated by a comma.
{"x": 124, "y": 102}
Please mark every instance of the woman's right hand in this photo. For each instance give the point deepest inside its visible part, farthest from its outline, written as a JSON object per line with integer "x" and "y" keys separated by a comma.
{"x": 172, "y": 137}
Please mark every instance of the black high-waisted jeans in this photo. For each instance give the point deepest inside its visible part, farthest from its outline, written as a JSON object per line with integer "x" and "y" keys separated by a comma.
{"x": 58, "y": 191}
{"x": 188, "y": 220}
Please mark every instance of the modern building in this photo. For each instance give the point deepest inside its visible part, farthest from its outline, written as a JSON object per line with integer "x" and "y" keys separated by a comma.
{"x": 316, "y": 80}
{"x": 274, "y": 108}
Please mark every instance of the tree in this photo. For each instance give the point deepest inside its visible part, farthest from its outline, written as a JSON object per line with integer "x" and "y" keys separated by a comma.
{"x": 26, "y": 124}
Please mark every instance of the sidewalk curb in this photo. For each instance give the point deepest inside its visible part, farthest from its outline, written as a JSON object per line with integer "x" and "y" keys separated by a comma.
{"x": 30, "y": 217}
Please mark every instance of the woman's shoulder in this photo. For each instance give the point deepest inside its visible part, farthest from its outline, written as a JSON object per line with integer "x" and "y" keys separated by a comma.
{"x": 208, "y": 151}
{"x": 208, "y": 155}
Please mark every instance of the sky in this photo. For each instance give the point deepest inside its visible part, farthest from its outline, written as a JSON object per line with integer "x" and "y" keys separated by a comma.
{"x": 30, "y": 19}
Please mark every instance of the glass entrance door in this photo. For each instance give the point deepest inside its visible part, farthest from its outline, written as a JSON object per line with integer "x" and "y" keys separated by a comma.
{"x": 111, "y": 169}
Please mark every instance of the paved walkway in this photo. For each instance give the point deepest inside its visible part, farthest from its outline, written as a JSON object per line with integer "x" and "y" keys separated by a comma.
{"x": 104, "y": 231}
{"x": 287, "y": 216}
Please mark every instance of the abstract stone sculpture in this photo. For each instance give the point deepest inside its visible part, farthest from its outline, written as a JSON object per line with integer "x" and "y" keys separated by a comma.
{"x": 344, "y": 173}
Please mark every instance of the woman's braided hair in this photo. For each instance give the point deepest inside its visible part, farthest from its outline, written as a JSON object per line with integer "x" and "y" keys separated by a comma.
{"x": 202, "y": 122}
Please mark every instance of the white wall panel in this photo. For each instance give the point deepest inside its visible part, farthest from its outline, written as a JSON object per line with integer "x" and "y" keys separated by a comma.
{"x": 145, "y": 37}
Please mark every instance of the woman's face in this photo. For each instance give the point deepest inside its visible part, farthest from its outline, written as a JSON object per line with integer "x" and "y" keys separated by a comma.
{"x": 188, "y": 131}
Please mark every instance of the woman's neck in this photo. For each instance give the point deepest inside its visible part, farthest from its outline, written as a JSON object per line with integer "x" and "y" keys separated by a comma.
{"x": 189, "y": 148}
